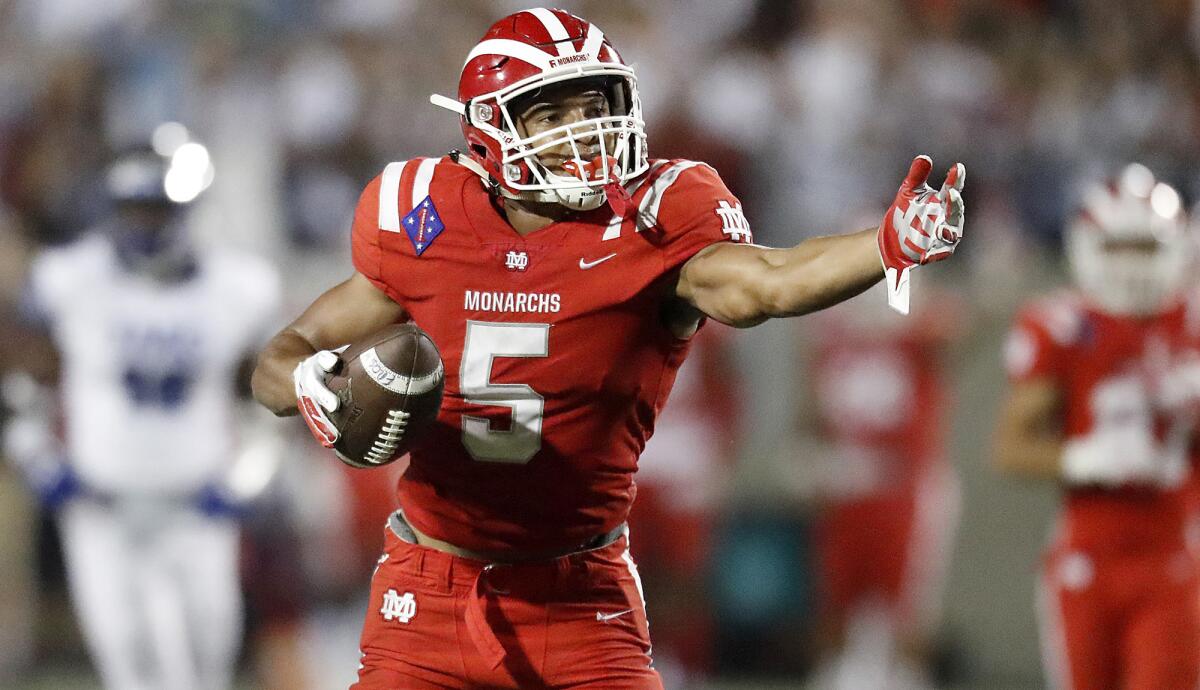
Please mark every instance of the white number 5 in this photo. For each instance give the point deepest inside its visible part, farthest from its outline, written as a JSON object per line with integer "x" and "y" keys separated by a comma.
{"x": 485, "y": 342}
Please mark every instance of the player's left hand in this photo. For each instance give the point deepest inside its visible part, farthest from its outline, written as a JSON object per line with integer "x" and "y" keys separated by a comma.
{"x": 921, "y": 226}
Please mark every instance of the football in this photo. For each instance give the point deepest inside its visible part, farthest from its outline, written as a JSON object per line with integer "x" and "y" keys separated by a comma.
{"x": 390, "y": 390}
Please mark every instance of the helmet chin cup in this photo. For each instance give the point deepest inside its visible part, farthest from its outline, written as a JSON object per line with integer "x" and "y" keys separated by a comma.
{"x": 578, "y": 198}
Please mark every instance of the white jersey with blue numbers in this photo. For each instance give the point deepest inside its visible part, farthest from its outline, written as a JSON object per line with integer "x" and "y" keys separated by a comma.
{"x": 148, "y": 369}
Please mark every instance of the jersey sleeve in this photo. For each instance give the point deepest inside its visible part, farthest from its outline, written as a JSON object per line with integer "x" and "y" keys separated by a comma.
{"x": 697, "y": 210}
{"x": 1031, "y": 351}
{"x": 365, "y": 250}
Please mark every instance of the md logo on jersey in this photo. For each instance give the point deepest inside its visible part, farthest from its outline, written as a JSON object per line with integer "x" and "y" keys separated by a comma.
{"x": 516, "y": 261}
{"x": 734, "y": 222}
{"x": 397, "y": 607}
{"x": 423, "y": 225}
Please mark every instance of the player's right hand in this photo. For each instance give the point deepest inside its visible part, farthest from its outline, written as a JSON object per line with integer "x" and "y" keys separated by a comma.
{"x": 314, "y": 398}
{"x": 52, "y": 481}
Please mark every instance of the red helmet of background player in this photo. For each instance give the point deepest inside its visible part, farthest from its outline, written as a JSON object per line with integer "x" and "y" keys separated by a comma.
{"x": 518, "y": 56}
{"x": 1129, "y": 246}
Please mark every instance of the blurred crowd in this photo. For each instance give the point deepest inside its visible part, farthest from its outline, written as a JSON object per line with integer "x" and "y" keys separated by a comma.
{"x": 810, "y": 109}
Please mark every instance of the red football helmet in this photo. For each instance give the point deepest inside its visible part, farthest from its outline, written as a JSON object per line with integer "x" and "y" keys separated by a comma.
{"x": 521, "y": 54}
{"x": 1128, "y": 246}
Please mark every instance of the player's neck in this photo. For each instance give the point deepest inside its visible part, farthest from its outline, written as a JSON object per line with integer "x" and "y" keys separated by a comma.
{"x": 529, "y": 216}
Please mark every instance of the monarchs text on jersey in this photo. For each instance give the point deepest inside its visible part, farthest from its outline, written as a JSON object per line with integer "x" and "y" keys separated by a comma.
{"x": 557, "y": 360}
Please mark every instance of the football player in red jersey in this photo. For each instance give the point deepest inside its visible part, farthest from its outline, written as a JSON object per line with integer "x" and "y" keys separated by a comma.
{"x": 561, "y": 272}
{"x": 1094, "y": 405}
{"x": 888, "y": 495}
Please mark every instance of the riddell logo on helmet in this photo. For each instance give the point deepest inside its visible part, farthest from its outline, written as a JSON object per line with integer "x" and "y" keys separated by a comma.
{"x": 559, "y": 62}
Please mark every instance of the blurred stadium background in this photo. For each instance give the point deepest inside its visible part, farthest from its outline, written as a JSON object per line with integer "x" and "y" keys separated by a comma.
{"x": 811, "y": 110}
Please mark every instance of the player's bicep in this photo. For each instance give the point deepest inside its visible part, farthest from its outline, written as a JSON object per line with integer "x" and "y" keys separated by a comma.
{"x": 724, "y": 281}
{"x": 346, "y": 312}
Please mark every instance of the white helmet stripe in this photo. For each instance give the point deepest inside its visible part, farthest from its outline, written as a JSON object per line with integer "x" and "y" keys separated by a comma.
{"x": 421, "y": 182}
{"x": 513, "y": 49}
{"x": 389, "y": 197}
{"x": 554, "y": 27}
{"x": 591, "y": 44}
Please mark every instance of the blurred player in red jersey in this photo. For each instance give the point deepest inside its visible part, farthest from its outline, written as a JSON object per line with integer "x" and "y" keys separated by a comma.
{"x": 682, "y": 474}
{"x": 1096, "y": 405}
{"x": 561, "y": 272}
{"x": 888, "y": 495}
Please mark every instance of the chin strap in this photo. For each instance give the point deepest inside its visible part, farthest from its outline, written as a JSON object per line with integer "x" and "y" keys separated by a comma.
{"x": 619, "y": 199}
{"x": 472, "y": 165}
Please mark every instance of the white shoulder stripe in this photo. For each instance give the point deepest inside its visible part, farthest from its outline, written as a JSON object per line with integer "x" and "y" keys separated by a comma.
{"x": 389, "y": 193}
{"x": 421, "y": 182}
{"x": 555, "y": 28}
{"x": 512, "y": 49}
{"x": 648, "y": 209}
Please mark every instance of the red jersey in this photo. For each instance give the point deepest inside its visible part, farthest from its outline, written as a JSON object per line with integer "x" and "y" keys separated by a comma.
{"x": 556, "y": 357}
{"x": 881, "y": 401}
{"x": 1106, "y": 368}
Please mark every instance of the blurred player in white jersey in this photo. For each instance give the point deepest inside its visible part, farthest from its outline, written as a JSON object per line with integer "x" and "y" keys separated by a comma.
{"x": 151, "y": 333}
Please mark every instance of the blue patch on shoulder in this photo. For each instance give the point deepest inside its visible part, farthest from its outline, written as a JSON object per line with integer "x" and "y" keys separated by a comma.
{"x": 423, "y": 225}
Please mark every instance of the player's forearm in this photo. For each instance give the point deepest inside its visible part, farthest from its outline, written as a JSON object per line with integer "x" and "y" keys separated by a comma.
{"x": 272, "y": 379}
{"x": 815, "y": 274}
{"x": 1037, "y": 458}
{"x": 744, "y": 285}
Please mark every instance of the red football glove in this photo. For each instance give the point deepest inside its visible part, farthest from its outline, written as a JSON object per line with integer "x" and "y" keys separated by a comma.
{"x": 314, "y": 398}
{"x": 920, "y": 227}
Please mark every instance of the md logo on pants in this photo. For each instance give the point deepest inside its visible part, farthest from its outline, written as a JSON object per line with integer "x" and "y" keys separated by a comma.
{"x": 397, "y": 607}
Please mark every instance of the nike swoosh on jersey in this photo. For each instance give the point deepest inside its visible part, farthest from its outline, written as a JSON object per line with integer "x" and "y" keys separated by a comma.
{"x": 585, "y": 265}
{"x": 610, "y": 616}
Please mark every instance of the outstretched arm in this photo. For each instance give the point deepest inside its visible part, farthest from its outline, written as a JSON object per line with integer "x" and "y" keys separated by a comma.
{"x": 346, "y": 312}
{"x": 744, "y": 285}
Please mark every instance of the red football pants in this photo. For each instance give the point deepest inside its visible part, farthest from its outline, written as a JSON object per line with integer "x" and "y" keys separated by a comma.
{"x": 1120, "y": 621}
{"x": 441, "y": 621}
{"x": 891, "y": 549}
